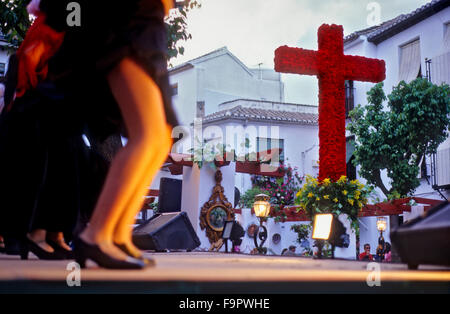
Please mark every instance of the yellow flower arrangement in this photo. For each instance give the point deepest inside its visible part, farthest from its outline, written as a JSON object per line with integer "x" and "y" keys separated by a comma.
{"x": 343, "y": 196}
{"x": 342, "y": 179}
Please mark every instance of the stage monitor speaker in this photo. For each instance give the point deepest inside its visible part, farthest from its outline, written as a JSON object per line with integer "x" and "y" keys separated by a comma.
{"x": 169, "y": 199}
{"x": 425, "y": 239}
{"x": 167, "y": 231}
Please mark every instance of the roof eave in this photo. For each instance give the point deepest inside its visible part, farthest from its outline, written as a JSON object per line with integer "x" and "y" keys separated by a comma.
{"x": 234, "y": 118}
{"x": 407, "y": 23}
{"x": 181, "y": 68}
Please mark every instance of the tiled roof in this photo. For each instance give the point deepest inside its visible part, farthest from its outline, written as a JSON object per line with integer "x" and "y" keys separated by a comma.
{"x": 370, "y": 30}
{"x": 385, "y": 30}
{"x": 256, "y": 114}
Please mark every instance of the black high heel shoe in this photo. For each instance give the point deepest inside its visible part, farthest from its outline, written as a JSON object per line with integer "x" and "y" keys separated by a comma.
{"x": 148, "y": 262}
{"x": 60, "y": 250}
{"x": 84, "y": 251}
{"x": 28, "y": 245}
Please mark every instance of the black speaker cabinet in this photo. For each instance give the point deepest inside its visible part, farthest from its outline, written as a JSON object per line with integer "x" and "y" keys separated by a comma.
{"x": 167, "y": 231}
{"x": 169, "y": 198}
{"x": 425, "y": 240}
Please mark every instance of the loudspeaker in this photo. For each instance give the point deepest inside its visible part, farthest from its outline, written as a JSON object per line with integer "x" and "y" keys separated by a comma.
{"x": 167, "y": 231}
{"x": 425, "y": 239}
{"x": 169, "y": 198}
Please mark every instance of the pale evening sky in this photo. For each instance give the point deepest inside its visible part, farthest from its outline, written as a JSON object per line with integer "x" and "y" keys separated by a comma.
{"x": 253, "y": 29}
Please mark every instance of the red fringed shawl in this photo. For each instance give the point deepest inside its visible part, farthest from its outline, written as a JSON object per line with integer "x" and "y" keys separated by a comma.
{"x": 39, "y": 45}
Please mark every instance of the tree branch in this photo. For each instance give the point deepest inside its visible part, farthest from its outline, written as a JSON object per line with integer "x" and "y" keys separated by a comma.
{"x": 380, "y": 184}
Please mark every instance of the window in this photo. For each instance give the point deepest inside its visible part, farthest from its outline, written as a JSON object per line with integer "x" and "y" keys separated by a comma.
{"x": 2, "y": 69}
{"x": 409, "y": 68}
{"x": 349, "y": 97}
{"x": 174, "y": 89}
{"x": 263, "y": 144}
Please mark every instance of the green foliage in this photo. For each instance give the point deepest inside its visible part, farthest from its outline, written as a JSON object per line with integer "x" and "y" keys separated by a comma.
{"x": 303, "y": 231}
{"x": 14, "y": 21}
{"x": 340, "y": 197}
{"x": 248, "y": 198}
{"x": 207, "y": 152}
{"x": 177, "y": 28}
{"x": 281, "y": 190}
{"x": 396, "y": 140}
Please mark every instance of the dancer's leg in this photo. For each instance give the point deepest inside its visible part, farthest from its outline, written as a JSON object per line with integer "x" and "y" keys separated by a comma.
{"x": 38, "y": 236}
{"x": 141, "y": 105}
{"x": 123, "y": 231}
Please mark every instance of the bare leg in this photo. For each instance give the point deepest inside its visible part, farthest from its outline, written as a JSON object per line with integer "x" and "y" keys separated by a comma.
{"x": 38, "y": 237}
{"x": 149, "y": 142}
{"x": 58, "y": 237}
{"x": 123, "y": 231}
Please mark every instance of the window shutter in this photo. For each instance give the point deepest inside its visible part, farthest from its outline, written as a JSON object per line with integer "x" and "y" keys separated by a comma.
{"x": 409, "y": 61}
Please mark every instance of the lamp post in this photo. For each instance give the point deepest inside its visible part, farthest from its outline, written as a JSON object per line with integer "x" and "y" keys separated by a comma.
{"x": 261, "y": 207}
{"x": 381, "y": 226}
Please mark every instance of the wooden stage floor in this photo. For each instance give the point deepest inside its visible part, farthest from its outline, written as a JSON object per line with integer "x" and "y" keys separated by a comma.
{"x": 219, "y": 273}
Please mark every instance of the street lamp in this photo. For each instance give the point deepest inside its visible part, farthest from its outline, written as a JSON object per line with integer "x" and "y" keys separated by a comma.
{"x": 261, "y": 206}
{"x": 381, "y": 226}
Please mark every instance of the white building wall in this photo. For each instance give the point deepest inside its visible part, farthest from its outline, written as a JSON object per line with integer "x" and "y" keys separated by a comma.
{"x": 218, "y": 79}
{"x": 301, "y": 148}
{"x": 288, "y": 237}
{"x": 185, "y": 102}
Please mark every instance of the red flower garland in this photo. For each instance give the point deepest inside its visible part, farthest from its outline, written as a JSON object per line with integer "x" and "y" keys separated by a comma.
{"x": 332, "y": 68}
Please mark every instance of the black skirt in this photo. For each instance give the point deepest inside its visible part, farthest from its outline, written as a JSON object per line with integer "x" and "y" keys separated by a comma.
{"x": 108, "y": 34}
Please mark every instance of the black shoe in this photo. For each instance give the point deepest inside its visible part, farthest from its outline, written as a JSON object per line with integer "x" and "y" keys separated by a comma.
{"x": 62, "y": 251}
{"x": 28, "y": 245}
{"x": 148, "y": 262}
{"x": 2, "y": 247}
{"x": 84, "y": 251}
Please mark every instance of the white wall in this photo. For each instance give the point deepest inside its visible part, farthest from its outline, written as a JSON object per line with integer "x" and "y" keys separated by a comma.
{"x": 300, "y": 146}
{"x": 288, "y": 237}
{"x": 185, "y": 102}
{"x": 218, "y": 79}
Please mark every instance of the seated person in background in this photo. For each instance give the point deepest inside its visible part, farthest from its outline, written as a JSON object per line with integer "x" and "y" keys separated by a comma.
{"x": 291, "y": 251}
{"x": 366, "y": 256}
{"x": 387, "y": 252}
